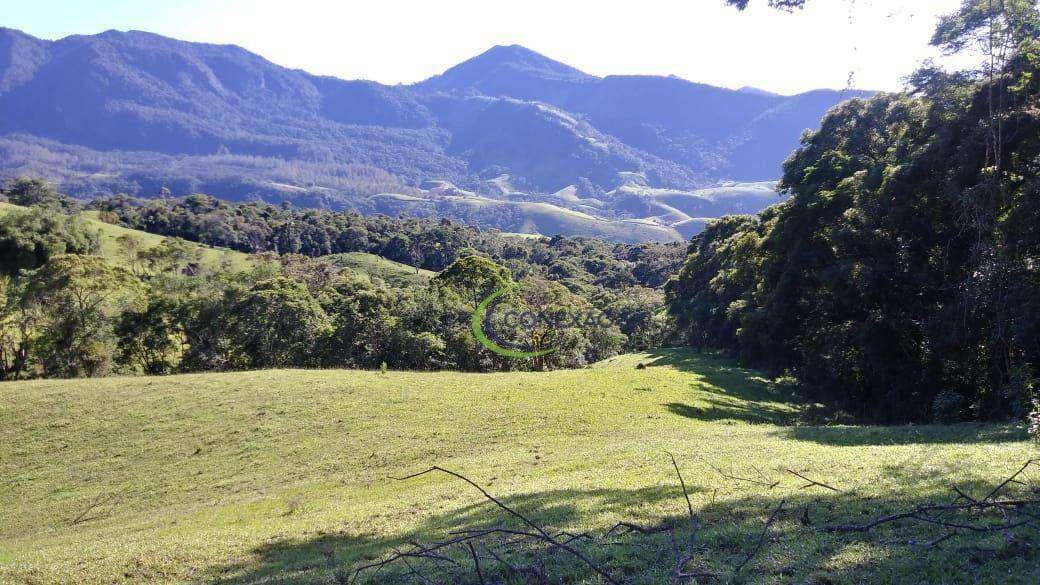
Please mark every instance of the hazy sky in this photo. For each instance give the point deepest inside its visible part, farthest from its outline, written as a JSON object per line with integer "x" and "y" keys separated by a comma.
{"x": 393, "y": 41}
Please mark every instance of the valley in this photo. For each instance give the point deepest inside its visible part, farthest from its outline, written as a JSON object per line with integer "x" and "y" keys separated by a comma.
{"x": 509, "y": 139}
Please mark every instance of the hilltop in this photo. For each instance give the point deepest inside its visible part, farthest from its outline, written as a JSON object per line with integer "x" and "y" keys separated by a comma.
{"x": 229, "y": 261}
{"x": 211, "y": 257}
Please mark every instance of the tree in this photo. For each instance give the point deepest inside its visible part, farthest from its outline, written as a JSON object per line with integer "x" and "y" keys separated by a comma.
{"x": 1034, "y": 421}
{"x": 79, "y": 299}
{"x": 474, "y": 278}
{"x": 564, "y": 322}
{"x": 151, "y": 339}
{"x": 423, "y": 350}
{"x": 132, "y": 246}
{"x": 34, "y": 193}
{"x": 17, "y": 324}
{"x": 170, "y": 256}
{"x": 28, "y": 238}
{"x": 364, "y": 318}
{"x": 1000, "y": 28}
{"x": 277, "y": 323}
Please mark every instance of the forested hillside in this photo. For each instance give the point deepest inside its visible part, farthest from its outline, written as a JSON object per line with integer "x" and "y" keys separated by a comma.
{"x": 79, "y": 297}
{"x": 901, "y": 280}
{"x": 516, "y": 323}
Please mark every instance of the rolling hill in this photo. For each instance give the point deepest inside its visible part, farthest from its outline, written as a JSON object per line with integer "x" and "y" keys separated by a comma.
{"x": 215, "y": 258}
{"x": 284, "y": 476}
{"x": 211, "y": 257}
{"x": 372, "y": 266}
{"x": 136, "y": 112}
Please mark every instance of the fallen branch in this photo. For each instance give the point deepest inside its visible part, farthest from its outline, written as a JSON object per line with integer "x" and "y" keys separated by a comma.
{"x": 1014, "y": 512}
{"x": 680, "y": 573}
{"x": 476, "y": 562}
{"x": 1007, "y": 481}
{"x": 623, "y": 528}
{"x": 813, "y": 482}
{"x": 541, "y": 534}
{"x": 764, "y": 482}
{"x": 761, "y": 538}
{"x": 94, "y": 504}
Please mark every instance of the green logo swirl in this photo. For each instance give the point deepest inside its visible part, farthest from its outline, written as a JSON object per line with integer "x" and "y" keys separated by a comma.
{"x": 481, "y": 313}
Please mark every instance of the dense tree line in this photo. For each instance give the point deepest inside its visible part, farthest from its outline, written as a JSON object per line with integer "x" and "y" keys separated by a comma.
{"x": 423, "y": 243}
{"x": 622, "y": 280}
{"x": 902, "y": 279}
{"x": 68, "y": 310}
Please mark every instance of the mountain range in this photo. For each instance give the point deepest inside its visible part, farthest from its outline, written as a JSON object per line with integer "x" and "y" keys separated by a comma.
{"x": 508, "y": 139}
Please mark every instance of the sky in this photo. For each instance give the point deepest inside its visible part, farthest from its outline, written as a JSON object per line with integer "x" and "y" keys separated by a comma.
{"x": 876, "y": 43}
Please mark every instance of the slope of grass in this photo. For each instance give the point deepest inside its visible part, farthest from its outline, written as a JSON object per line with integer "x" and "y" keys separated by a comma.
{"x": 212, "y": 257}
{"x": 282, "y": 476}
{"x": 528, "y": 217}
{"x": 378, "y": 267}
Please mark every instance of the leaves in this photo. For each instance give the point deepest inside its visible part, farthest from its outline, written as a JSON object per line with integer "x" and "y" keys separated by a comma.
{"x": 899, "y": 282}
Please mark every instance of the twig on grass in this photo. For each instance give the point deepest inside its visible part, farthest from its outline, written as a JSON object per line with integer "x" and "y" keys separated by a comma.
{"x": 541, "y": 533}
{"x": 1007, "y": 481}
{"x": 813, "y": 482}
{"x": 476, "y": 562}
{"x": 761, "y": 538}
{"x": 765, "y": 481}
{"x": 99, "y": 501}
{"x": 1016, "y": 513}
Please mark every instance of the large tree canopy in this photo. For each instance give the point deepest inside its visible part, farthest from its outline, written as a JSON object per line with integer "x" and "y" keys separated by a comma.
{"x": 901, "y": 279}
{"x": 782, "y": 4}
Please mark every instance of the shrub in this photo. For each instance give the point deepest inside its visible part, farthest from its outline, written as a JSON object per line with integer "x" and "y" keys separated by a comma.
{"x": 1019, "y": 392}
{"x": 948, "y": 407}
{"x": 787, "y": 384}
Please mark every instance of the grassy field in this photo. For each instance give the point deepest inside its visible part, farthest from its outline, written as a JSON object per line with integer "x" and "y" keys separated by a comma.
{"x": 216, "y": 258}
{"x": 283, "y": 476}
{"x": 378, "y": 267}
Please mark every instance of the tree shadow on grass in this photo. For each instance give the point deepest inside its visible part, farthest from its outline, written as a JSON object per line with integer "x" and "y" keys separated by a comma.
{"x": 850, "y": 436}
{"x": 725, "y": 391}
{"x": 794, "y": 549}
{"x": 715, "y": 410}
{"x": 318, "y": 559}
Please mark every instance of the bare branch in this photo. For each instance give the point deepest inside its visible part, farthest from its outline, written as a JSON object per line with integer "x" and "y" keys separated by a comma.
{"x": 764, "y": 482}
{"x": 813, "y": 482}
{"x": 476, "y": 562}
{"x": 761, "y": 538}
{"x": 99, "y": 501}
{"x": 1007, "y": 481}
{"x": 542, "y": 533}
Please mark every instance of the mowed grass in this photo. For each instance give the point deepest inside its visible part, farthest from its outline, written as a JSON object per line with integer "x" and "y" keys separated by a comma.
{"x": 284, "y": 476}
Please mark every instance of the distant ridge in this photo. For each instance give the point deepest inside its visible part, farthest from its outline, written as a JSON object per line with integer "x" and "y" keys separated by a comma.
{"x": 137, "y": 112}
{"x": 757, "y": 91}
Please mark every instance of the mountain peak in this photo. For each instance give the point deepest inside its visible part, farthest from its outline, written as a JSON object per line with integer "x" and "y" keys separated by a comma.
{"x": 502, "y": 68}
{"x": 521, "y": 58}
{"x": 758, "y": 91}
